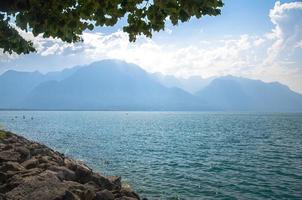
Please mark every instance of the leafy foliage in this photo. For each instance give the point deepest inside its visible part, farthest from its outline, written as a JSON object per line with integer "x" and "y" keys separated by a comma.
{"x": 69, "y": 18}
{"x": 10, "y": 40}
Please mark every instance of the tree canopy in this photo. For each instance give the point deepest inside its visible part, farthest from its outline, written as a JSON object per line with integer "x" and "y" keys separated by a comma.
{"x": 67, "y": 19}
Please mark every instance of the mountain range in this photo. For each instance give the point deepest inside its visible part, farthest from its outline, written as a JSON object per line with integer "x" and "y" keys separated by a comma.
{"x": 117, "y": 85}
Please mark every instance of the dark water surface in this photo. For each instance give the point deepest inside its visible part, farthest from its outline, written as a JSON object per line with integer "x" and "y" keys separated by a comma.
{"x": 177, "y": 154}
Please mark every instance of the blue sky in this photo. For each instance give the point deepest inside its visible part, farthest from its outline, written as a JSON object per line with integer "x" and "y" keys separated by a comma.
{"x": 259, "y": 39}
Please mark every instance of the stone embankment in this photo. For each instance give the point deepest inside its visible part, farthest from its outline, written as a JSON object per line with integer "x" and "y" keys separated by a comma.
{"x": 32, "y": 171}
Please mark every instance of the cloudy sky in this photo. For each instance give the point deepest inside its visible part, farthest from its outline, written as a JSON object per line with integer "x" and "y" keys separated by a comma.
{"x": 259, "y": 39}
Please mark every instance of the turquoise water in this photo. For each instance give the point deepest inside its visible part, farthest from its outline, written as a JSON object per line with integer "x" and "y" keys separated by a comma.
{"x": 176, "y": 154}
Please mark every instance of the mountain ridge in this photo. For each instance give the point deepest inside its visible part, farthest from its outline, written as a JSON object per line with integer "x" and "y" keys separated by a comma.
{"x": 118, "y": 85}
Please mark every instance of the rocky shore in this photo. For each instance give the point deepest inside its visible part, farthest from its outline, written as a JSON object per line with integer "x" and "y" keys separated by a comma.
{"x": 32, "y": 171}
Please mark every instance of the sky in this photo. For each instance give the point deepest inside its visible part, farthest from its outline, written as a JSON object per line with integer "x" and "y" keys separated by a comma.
{"x": 258, "y": 39}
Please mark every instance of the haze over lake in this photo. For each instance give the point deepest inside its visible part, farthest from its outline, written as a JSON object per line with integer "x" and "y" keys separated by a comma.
{"x": 190, "y": 155}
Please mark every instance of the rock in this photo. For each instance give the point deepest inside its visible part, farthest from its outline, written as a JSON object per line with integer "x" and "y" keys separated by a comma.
{"x": 103, "y": 182}
{"x": 17, "y": 178}
{"x": 126, "y": 198}
{"x": 18, "y": 144}
{"x": 47, "y": 160}
{"x": 3, "y": 177}
{"x": 58, "y": 158}
{"x": 32, "y": 163}
{"x": 74, "y": 186}
{"x": 24, "y": 153}
{"x": 33, "y": 146}
{"x": 93, "y": 186}
{"x": 89, "y": 195}
{"x": 43, "y": 186}
{"x": 104, "y": 195}
{"x": 39, "y": 151}
{"x": 2, "y": 196}
{"x": 129, "y": 193}
{"x": 9, "y": 155}
{"x": 82, "y": 191}
{"x": 7, "y": 147}
{"x": 11, "y": 166}
{"x": 83, "y": 173}
{"x": 2, "y": 147}
{"x": 70, "y": 164}
{"x": 29, "y": 170}
{"x": 44, "y": 159}
{"x": 116, "y": 180}
{"x": 12, "y": 139}
{"x": 44, "y": 166}
{"x": 63, "y": 173}
{"x": 69, "y": 196}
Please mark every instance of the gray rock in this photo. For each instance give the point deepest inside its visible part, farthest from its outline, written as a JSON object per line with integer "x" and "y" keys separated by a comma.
{"x": 83, "y": 173}
{"x": 116, "y": 180}
{"x": 9, "y": 155}
{"x": 3, "y": 177}
{"x": 50, "y": 175}
{"x": 104, "y": 195}
{"x": 129, "y": 193}
{"x": 104, "y": 182}
{"x": 89, "y": 194}
{"x": 43, "y": 186}
{"x": 24, "y": 153}
{"x": 70, "y": 164}
{"x": 11, "y": 166}
{"x": 126, "y": 198}
{"x": 63, "y": 173}
{"x": 32, "y": 163}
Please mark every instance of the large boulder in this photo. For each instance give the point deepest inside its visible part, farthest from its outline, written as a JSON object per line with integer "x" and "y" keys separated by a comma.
{"x": 104, "y": 195}
{"x": 63, "y": 173}
{"x": 29, "y": 164}
{"x": 24, "y": 153}
{"x": 42, "y": 186}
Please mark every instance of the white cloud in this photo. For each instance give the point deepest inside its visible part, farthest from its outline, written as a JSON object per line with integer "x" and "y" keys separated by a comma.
{"x": 5, "y": 57}
{"x": 299, "y": 45}
{"x": 169, "y": 31}
{"x": 288, "y": 29}
{"x": 259, "y": 41}
{"x": 52, "y": 50}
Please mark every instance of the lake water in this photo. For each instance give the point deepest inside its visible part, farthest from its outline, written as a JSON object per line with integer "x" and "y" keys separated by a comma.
{"x": 179, "y": 155}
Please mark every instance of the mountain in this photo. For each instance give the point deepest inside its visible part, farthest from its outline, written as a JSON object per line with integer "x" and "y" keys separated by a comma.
{"x": 15, "y": 86}
{"x": 242, "y": 94}
{"x": 117, "y": 85}
{"x": 61, "y": 75}
{"x": 191, "y": 84}
{"x": 110, "y": 85}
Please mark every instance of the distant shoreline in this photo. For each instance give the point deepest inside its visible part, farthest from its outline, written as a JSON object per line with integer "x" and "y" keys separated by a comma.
{"x": 191, "y": 111}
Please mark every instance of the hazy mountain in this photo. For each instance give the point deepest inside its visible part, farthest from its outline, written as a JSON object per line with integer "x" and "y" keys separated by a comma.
{"x": 241, "y": 94}
{"x": 61, "y": 75}
{"x": 15, "y": 86}
{"x": 111, "y": 85}
{"x": 117, "y": 85}
{"x": 191, "y": 84}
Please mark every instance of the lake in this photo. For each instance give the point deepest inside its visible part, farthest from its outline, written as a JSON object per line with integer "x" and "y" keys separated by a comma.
{"x": 178, "y": 155}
